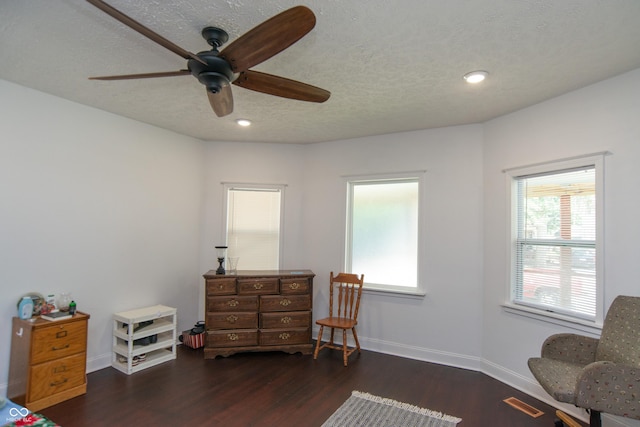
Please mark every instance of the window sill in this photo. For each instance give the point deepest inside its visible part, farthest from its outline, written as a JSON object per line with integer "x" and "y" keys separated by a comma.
{"x": 412, "y": 293}
{"x": 584, "y": 326}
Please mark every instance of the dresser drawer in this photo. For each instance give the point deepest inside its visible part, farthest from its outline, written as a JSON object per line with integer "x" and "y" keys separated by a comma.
{"x": 232, "y": 338}
{"x": 58, "y": 375}
{"x": 232, "y": 320}
{"x": 221, "y": 287}
{"x": 285, "y": 302}
{"x": 232, "y": 303}
{"x": 285, "y": 336}
{"x": 58, "y": 340}
{"x": 259, "y": 286}
{"x": 285, "y": 319}
{"x": 294, "y": 286}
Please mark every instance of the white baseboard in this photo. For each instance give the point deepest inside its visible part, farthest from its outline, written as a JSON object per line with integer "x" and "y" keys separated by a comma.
{"x": 97, "y": 363}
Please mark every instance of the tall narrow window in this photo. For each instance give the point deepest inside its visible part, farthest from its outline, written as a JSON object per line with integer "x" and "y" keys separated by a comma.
{"x": 383, "y": 231}
{"x": 253, "y": 226}
{"x": 556, "y": 239}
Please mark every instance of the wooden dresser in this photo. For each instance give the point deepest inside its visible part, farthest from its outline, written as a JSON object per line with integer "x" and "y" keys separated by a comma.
{"x": 48, "y": 361}
{"x": 265, "y": 310}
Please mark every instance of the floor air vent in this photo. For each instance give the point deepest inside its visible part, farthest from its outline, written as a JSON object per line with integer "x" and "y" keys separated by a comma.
{"x": 521, "y": 406}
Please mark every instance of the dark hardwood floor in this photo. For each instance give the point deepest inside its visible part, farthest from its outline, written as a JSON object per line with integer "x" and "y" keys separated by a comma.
{"x": 278, "y": 389}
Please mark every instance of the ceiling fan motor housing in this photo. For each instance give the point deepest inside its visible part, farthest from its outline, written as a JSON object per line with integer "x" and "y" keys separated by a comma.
{"x": 215, "y": 75}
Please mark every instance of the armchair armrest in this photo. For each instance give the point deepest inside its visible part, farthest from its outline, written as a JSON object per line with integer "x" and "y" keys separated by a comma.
{"x": 610, "y": 387}
{"x": 570, "y": 348}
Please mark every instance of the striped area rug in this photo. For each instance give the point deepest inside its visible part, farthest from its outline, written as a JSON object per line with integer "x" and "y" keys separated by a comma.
{"x": 364, "y": 409}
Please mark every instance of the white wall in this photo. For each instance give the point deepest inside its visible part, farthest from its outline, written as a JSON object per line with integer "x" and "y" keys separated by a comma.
{"x": 602, "y": 117}
{"x": 104, "y": 207}
{"x": 446, "y": 325}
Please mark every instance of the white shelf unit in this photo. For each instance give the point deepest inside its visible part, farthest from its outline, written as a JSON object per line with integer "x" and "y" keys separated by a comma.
{"x": 124, "y": 335}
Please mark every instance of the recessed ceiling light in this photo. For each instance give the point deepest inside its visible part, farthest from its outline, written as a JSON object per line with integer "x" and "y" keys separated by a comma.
{"x": 475, "y": 76}
{"x": 243, "y": 122}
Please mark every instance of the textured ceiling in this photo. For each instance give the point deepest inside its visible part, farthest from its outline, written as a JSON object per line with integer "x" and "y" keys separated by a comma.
{"x": 391, "y": 66}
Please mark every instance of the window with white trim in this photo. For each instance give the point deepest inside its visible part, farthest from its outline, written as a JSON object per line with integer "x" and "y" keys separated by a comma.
{"x": 254, "y": 225}
{"x": 383, "y": 230}
{"x": 556, "y": 238}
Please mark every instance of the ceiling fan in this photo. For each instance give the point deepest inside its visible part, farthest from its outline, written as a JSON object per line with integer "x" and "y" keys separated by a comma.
{"x": 217, "y": 70}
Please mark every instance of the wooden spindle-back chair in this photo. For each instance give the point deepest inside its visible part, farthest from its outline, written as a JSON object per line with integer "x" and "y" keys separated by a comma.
{"x": 345, "y": 291}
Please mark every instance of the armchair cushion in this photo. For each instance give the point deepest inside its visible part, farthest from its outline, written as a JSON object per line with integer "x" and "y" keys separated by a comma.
{"x": 570, "y": 348}
{"x": 610, "y": 387}
{"x": 557, "y": 377}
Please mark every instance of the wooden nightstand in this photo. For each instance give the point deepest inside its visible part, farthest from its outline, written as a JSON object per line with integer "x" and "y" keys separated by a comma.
{"x": 48, "y": 361}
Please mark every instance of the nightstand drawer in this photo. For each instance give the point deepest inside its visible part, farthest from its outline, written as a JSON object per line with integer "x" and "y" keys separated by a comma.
{"x": 58, "y": 375}
{"x": 58, "y": 340}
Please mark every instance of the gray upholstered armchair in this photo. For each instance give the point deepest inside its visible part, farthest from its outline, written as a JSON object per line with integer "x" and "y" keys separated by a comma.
{"x": 598, "y": 375}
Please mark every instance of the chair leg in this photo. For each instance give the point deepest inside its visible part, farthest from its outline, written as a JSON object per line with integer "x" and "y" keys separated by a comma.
{"x": 355, "y": 338}
{"x": 332, "y": 331}
{"x": 595, "y": 420}
{"x": 344, "y": 346}
{"x": 315, "y": 353}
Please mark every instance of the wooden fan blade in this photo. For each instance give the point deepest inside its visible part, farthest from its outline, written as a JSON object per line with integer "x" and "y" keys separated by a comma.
{"x": 269, "y": 38}
{"x": 132, "y": 23}
{"x": 143, "y": 76}
{"x": 280, "y": 86}
{"x": 221, "y": 102}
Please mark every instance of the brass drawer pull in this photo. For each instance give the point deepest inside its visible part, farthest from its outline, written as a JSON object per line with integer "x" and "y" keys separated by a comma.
{"x": 285, "y": 319}
{"x": 57, "y": 383}
{"x": 294, "y": 285}
{"x": 233, "y": 337}
{"x": 284, "y": 336}
{"x": 233, "y": 303}
{"x": 221, "y": 286}
{"x": 285, "y": 302}
{"x": 60, "y": 348}
{"x": 61, "y": 334}
{"x": 232, "y": 319}
{"x": 258, "y": 286}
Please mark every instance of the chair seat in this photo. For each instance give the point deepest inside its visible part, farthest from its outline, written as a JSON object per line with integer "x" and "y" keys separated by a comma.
{"x": 558, "y": 378}
{"x": 337, "y": 322}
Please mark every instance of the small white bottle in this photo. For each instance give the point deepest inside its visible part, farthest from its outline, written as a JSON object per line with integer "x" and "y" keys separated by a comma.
{"x": 25, "y": 308}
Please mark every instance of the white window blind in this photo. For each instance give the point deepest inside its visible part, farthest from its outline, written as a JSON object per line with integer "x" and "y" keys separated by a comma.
{"x": 555, "y": 242}
{"x": 254, "y": 226}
